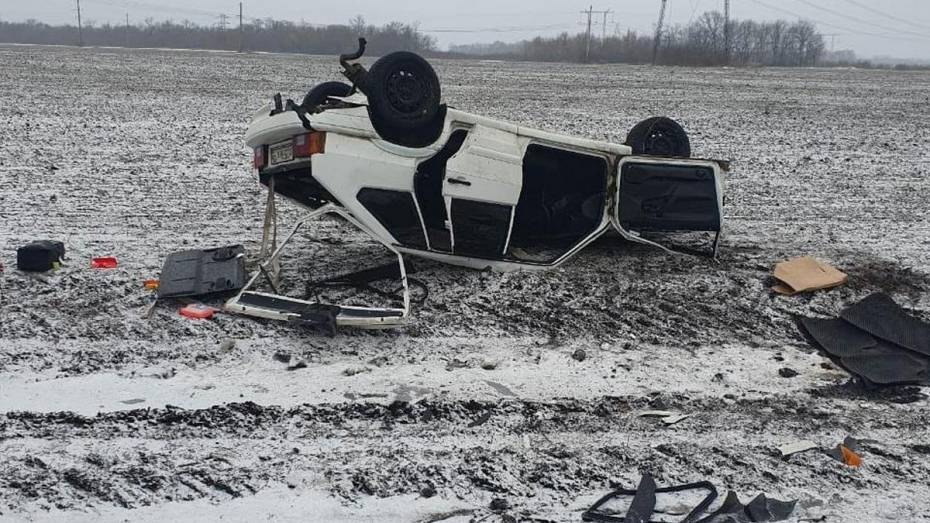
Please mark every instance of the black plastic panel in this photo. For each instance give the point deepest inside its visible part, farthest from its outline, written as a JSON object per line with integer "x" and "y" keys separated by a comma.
{"x": 198, "y": 272}
{"x": 479, "y": 228}
{"x": 668, "y": 197}
{"x": 397, "y": 212}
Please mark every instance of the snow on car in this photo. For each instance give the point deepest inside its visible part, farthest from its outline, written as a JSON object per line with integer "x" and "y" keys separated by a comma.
{"x": 431, "y": 181}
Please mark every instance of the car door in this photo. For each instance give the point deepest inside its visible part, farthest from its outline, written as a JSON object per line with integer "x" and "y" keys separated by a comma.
{"x": 668, "y": 194}
{"x": 481, "y": 189}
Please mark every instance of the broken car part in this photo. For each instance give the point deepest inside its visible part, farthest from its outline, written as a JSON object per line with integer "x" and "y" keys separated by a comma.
{"x": 760, "y": 509}
{"x": 40, "y": 256}
{"x": 643, "y": 502}
{"x": 732, "y": 510}
{"x": 876, "y": 340}
{"x": 103, "y": 262}
{"x": 315, "y": 314}
{"x": 199, "y": 272}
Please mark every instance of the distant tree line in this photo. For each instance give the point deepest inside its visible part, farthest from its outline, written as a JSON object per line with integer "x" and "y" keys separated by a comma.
{"x": 258, "y": 35}
{"x": 701, "y": 43}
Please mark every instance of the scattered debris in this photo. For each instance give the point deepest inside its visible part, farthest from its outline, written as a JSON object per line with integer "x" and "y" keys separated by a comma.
{"x": 876, "y": 340}
{"x": 671, "y": 420}
{"x": 282, "y": 357}
{"x": 643, "y": 502}
{"x": 785, "y": 372}
{"x": 480, "y": 420}
{"x": 796, "y": 448}
{"x": 133, "y": 401}
{"x": 806, "y": 274}
{"x": 656, "y": 414}
{"x": 103, "y": 262}
{"x": 846, "y": 452}
{"x": 352, "y": 371}
{"x": 489, "y": 364}
{"x": 760, "y": 509}
{"x": 579, "y": 355}
{"x": 227, "y": 345}
{"x": 197, "y": 311}
{"x": 300, "y": 364}
{"x": 199, "y": 272}
{"x": 150, "y": 285}
{"x": 668, "y": 417}
{"x": 499, "y": 505}
{"x": 40, "y": 256}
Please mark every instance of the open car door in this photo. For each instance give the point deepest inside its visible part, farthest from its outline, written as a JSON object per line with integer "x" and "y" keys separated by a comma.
{"x": 668, "y": 194}
{"x": 481, "y": 190}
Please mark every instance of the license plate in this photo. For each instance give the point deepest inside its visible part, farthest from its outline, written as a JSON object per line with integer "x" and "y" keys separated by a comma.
{"x": 282, "y": 152}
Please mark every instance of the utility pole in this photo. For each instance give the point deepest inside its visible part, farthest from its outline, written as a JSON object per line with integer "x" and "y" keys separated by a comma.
{"x": 591, "y": 12}
{"x": 655, "y": 48}
{"x": 604, "y": 27}
{"x": 80, "y": 28}
{"x": 587, "y": 49}
{"x": 127, "y": 29}
{"x": 224, "y": 21}
{"x": 241, "y": 30}
{"x": 726, "y": 32}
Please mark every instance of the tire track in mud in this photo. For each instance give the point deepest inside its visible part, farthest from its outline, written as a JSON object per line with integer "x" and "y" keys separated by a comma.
{"x": 536, "y": 453}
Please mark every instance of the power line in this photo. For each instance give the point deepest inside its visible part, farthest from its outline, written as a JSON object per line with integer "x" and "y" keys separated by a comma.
{"x": 886, "y": 15}
{"x": 859, "y": 20}
{"x": 189, "y": 11}
{"x": 841, "y": 28}
{"x": 514, "y": 29}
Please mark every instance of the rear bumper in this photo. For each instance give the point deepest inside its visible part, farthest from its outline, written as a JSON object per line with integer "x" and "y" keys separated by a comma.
{"x": 275, "y": 307}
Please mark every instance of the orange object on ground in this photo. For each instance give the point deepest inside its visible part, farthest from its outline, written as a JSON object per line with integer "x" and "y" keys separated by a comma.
{"x": 150, "y": 285}
{"x": 103, "y": 262}
{"x": 850, "y": 458}
{"x": 197, "y": 311}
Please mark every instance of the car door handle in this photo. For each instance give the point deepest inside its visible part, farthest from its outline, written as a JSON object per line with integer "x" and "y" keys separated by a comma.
{"x": 459, "y": 181}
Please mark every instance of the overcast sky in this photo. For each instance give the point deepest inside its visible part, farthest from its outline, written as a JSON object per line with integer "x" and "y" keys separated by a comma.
{"x": 900, "y": 28}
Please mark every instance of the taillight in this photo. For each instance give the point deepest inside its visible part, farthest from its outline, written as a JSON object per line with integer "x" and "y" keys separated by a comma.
{"x": 309, "y": 144}
{"x": 258, "y": 157}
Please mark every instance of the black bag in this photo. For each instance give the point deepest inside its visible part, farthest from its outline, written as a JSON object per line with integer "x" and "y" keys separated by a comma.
{"x": 39, "y": 256}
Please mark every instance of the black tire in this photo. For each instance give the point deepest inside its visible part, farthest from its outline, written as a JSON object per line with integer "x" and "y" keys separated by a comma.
{"x": 403, "y": 92}
{"x": 659, "y": 136}
{"x": 321, "y": 92}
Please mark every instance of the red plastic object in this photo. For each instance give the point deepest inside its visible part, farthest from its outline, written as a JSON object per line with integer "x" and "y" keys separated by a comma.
{"x": 103, "y": 262}
{"x": 197, "y": 311}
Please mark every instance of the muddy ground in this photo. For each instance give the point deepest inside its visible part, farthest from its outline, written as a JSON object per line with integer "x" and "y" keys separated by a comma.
{"x": 107, "y": 414}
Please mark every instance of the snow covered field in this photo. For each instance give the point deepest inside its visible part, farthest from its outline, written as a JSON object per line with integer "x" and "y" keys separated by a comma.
{"x": 106, "y": 414}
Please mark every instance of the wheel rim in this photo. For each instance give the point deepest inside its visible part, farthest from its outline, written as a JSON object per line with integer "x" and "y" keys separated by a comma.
{"x": 405, "y": 90}
{"x": 659, "y": 142}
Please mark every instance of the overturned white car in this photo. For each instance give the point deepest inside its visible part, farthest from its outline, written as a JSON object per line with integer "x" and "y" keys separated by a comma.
{"x": 431, "y": 181}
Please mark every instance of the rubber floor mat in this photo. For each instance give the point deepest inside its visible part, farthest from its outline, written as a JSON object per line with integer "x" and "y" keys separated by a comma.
{"x": 888, "y": 369}
{"x": 838, "y": 337}
{"x": 877, "y": 361}
{"x": 881, "y": 317}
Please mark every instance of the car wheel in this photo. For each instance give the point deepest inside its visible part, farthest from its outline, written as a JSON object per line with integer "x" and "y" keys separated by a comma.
{"x": 321, "y": 92}
{"x": 659, "y": 136}
{"x": 403, "y": 92}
